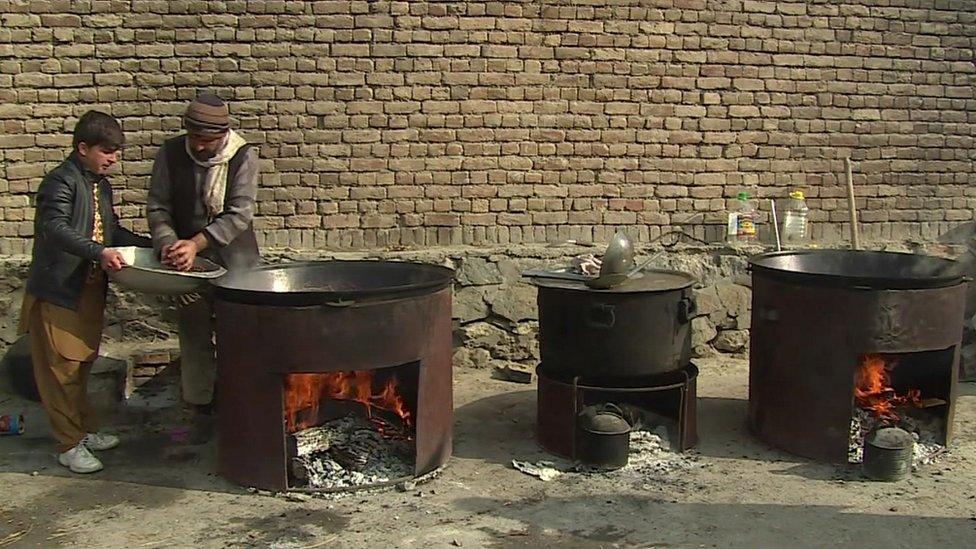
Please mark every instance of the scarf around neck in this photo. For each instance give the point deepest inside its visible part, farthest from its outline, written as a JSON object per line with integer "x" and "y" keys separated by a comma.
{"x": 215, "y": 179}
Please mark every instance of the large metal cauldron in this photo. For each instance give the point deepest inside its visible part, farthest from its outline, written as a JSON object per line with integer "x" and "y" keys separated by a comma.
{"x": 639, "y": 328}
{"x": 326, "y": 316}
{"x": 858, "y": 269}
{"x": 335, "y": 283}
{"x": 816, "y": 313}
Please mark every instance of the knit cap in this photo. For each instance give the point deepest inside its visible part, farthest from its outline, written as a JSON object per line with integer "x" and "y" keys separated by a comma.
{"x": 207, "y": 114}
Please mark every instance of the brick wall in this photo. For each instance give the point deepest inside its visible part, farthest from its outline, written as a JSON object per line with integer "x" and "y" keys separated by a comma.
{"x": 435, "y": 123}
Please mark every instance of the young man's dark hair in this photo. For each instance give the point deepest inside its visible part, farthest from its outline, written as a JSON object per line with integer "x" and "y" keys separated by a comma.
{"x": 98, "y": 128}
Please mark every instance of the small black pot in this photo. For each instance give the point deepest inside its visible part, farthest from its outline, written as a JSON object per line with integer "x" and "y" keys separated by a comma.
{"x": 602, "y": 437}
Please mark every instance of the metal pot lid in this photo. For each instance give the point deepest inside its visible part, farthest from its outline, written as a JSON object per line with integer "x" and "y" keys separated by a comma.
{"x": 651, "y": 280}
{"x": 890, "y": 438}
{"x": 607, "y": 423}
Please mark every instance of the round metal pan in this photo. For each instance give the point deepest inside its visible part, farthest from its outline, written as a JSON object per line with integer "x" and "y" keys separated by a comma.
{"x": 144, "y": 273}
{"x": 335, "y": 283}
{"x": 859, "y": 269}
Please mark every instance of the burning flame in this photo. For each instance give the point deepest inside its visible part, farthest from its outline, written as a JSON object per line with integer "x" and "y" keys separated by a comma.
{"x": 873, "y": 391}
{"x": 304, "y": 393}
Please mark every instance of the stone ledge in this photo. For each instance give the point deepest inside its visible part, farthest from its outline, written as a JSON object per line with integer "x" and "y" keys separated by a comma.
{"x": 494, "y": 308}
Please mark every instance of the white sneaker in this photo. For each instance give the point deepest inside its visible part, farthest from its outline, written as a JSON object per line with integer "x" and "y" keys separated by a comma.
{"x": 80, "y": 460}
{"x": 100, "y": 441}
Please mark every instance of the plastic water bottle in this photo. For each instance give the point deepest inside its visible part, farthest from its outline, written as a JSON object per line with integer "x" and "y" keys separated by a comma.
{"x": 795, "y": 220}
{"x": 742, "y": 220}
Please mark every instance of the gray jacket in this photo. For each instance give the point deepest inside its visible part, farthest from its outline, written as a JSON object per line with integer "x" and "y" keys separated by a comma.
{"x": 176, "y": 210}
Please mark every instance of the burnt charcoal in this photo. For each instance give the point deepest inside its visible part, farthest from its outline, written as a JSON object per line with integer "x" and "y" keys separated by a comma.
{"x": 354, "y": 451}
{"x": 403, "y": 450}
{"x": 299, "y": 469}
{"x": 908, "y": 424}
{"x": 351, "y": 457}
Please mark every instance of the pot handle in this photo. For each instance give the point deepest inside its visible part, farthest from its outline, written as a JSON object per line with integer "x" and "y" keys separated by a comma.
{"x": 687, "y": 309}
{"x": 613, "y": 408}
{"x": 600, "y": 316}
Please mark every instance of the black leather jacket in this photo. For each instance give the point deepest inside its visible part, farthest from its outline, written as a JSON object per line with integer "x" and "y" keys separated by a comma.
{"x": 64, "y": 252}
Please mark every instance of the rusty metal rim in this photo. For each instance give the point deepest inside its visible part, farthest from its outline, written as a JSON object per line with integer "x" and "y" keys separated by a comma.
{"x": 232, "y": 287}
{"x": 932, "y": 272}
{"x": 354, "y": 489}
{"x": 688, "y": 372}
{"x": 426, "y": 477}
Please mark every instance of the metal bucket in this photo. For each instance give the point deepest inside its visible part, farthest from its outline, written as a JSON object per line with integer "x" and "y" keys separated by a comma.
{"x": 888, "y": 454}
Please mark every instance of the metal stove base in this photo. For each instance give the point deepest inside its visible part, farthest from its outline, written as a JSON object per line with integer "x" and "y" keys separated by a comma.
{"x": 670, "y": 396}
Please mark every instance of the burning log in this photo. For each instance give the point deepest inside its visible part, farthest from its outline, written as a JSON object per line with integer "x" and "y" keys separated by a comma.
{"x": 305, "y": 393}
{"x": 315, "y": 439}
{"x": 873, "y": 390}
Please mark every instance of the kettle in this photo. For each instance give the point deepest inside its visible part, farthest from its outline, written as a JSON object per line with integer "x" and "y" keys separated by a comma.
{"x": 602, "y": 437}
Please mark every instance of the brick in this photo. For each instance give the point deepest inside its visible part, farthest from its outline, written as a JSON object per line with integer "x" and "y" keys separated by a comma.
{"x": 12, "y": 20}
{"x": 431, "y": 123}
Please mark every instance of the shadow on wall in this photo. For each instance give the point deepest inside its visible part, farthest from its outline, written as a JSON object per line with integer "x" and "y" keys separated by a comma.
{"x": 961, "y": 234}
{"x": 599, "y": 520}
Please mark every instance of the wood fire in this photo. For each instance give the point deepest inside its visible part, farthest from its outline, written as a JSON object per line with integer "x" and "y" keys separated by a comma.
{"x": 873, "y": 390}
{"x": 304, "y": 394}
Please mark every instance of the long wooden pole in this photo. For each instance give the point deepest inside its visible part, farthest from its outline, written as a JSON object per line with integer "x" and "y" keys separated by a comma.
{"x": 855, "y": 231}
{"x": 772, "y": 207}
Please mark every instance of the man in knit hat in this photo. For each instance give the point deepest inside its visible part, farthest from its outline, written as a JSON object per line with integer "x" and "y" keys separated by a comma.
{"x": 201, "y": 202}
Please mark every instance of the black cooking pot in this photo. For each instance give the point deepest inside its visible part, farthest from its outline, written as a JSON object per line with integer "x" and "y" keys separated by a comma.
{"x": 639, "y": 328}
{"x": 602, "y": 437}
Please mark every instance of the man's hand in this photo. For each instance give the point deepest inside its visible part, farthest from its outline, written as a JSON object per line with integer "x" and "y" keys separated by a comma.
{"x": 164, "y": 254}
{"x": 180, "y": 254}
{"x": 111, "y": 260}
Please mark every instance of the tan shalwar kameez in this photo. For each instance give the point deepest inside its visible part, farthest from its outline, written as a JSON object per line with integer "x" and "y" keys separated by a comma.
{"x": 64, "y": 344}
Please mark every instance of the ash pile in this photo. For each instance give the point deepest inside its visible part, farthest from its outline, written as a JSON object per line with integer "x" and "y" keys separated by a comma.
{"x": 924, "y": 430}
{"x": 651, "y": 457}
{"x": 350, "y": 452}
{"x": 651, "y": 454}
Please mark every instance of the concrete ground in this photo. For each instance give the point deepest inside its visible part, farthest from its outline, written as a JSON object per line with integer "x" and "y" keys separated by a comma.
{"x": 159, "y": 492}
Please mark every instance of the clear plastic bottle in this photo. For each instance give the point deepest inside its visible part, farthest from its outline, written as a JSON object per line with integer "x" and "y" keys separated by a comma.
{"x": 742, "y": 220}
{"x": 795, "y": 220}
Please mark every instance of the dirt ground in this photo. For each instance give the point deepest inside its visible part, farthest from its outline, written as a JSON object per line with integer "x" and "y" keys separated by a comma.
{"x": 156, "y": 492}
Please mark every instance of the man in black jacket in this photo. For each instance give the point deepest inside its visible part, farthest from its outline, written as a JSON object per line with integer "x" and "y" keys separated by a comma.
{"x": 74, "y": 229}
